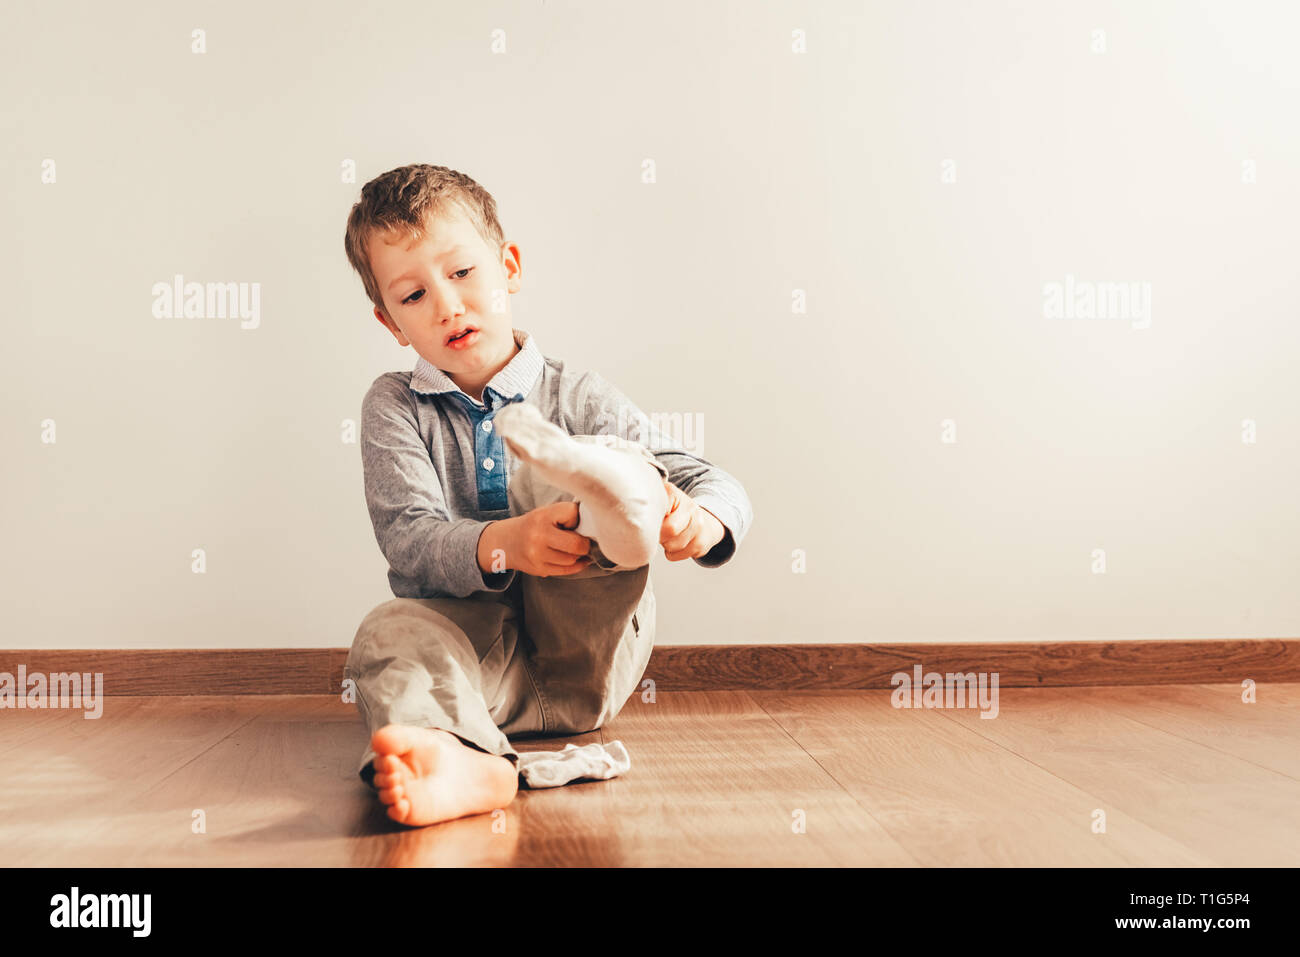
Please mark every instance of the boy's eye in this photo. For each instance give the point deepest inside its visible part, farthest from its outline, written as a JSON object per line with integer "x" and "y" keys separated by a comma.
{"x": 411, "y": 298}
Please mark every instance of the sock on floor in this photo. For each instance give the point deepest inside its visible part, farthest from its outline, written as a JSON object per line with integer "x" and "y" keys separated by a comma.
{"x": 551, "y": 769}
{"x": 622, "y": 499}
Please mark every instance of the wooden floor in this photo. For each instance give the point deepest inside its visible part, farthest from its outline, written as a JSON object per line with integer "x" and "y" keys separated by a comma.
{"x": 1186, "y": 775}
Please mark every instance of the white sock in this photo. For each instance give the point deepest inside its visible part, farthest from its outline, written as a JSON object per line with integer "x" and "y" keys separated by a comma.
{"x": 622, "y": 498}
{"x": 551, "y": 769}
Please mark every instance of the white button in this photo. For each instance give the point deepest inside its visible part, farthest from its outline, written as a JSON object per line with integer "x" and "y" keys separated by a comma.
{"x": 487, "y": 425}
{"x": 488, "y": 463}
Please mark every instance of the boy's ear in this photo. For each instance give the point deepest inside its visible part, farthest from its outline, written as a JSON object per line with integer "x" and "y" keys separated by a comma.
{"x": 511, "y": 264}
{"x": 391, "y": 327}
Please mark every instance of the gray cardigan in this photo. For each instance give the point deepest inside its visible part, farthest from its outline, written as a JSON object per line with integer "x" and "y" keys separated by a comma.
{"x": 436, "y": 471}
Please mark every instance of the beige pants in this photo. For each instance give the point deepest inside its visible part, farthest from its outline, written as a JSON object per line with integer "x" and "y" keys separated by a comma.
{"x": 548, "y": 656}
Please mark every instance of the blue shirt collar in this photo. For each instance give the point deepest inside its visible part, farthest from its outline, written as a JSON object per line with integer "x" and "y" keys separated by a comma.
{"x": 517, "y": 378}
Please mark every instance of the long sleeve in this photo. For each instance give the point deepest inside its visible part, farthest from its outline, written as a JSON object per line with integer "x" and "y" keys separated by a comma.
{"x": 409, "y": 509}
{"x": 604, "y": 410}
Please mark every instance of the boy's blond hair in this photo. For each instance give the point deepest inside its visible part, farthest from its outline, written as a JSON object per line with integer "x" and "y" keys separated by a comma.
{"x": 400, "y": 202}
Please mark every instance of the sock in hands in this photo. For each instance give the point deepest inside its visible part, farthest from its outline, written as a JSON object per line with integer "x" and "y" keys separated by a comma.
{"x": 621, "y": 497}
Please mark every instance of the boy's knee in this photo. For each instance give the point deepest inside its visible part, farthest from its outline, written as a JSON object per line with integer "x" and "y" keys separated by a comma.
{"x": 383, "y": 612}
{"x": 380, "y": 633}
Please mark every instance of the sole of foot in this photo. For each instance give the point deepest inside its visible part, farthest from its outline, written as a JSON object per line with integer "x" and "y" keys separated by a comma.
{"x": 426, "y": 775}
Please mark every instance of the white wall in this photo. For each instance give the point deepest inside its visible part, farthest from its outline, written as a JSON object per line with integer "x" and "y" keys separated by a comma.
{"x": 820, "y": 171}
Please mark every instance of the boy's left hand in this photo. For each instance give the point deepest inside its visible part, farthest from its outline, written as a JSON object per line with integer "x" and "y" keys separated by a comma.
{"x": 688, "y": 530}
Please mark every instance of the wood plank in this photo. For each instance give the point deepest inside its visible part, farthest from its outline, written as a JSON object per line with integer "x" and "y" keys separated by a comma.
{"x": 1265, "y": 733}
{"x": 284, "y": 783}
{"x": 190, "y": 671}
{"x": 956, "y": 799}
{"x": 715, "y": 778}
{"x": 67, "y": 788}
{"x": 281, "y": 782}
{"x": 1018, "y": 664}
{"x": 714, "y": 782}
{"x": 24, "y": 724}
{"x": 782, "y": 667}
{"x": 1224, "y": 808}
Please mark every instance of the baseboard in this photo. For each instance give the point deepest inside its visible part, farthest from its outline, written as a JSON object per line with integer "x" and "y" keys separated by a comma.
{"x": 219, "y": 671}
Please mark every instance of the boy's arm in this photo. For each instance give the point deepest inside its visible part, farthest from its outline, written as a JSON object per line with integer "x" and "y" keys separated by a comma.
{"x": 408, "y": 508}
{"x": 604, "y": 410}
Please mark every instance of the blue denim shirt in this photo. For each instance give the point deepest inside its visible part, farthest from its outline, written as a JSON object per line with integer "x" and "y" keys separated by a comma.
{"x": 489, "y": 450}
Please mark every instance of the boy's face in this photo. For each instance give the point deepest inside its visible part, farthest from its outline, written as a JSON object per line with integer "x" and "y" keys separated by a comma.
{"x": 442, "y": 285}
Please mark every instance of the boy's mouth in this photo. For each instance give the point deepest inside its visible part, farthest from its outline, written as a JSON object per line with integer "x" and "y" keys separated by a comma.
{"x": 462, "y": 340}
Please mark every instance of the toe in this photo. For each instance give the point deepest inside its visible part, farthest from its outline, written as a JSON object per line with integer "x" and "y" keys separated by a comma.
{"x": 389, "y": 770}
{"x": 400, "y": 811}
{"x": 391, "y": 740}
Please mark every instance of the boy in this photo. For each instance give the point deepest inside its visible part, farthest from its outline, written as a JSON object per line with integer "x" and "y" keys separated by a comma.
{"x": 518, "y": 509}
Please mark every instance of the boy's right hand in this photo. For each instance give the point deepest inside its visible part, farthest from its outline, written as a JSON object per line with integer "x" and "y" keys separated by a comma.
{"x": 541, "y": 544}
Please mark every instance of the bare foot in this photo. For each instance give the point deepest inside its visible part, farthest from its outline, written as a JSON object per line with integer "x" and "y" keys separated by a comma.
{"x": 428, "y": 775}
